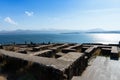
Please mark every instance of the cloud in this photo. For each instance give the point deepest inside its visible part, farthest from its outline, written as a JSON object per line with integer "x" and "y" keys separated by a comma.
{"x": 10, "y": 21}
{"x": 29, "y": 13}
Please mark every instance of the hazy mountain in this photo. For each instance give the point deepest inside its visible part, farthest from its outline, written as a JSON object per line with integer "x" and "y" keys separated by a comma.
{"x": 96, "y": 30}
{"x": 36, "y": 31}
{"x": 99, "y": 30}
{"x": 24, "y": 32}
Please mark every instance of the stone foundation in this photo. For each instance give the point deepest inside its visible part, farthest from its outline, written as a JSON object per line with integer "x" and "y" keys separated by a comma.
{"x": 52, "y": 61}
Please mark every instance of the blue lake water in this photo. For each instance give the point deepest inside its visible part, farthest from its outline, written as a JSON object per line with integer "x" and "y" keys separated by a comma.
{"x": 74, "y": 38}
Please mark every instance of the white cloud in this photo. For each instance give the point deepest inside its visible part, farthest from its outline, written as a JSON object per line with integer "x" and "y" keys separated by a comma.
{"x": 29, "y": 13}
{"x": 9, "y": 20}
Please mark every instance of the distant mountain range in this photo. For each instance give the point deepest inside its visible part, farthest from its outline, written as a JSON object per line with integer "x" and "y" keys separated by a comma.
{"x": 118, "y": 32}
{"x": 93, "y": 31}
{"x": 18, "y": 32}
{"x": 97, "y": 30}
{"x": 36, "y": 31}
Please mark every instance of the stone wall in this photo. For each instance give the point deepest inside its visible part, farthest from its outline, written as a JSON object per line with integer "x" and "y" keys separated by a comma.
{"x": 40, "y": 68}
{"x": 90, "y": 51}
{"x": 52, "y": 61}
{"x": 77, "y": 66}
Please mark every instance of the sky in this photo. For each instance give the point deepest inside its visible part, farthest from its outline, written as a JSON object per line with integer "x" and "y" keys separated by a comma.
{"x": 59, "y": 14}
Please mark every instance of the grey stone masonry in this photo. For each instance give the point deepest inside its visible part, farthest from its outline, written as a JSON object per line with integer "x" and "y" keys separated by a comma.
{"x": 78, "y": 63}
{"x": 41, "y": 67}
{"x": 58, "y": 48}
{"x": 74, "y": 46}
{"x": 114, "y": 53}
{"x": 44, "y": 53}
{"x": 53, "y": 61}
{"x": 105, "y": 51}
{"x": 90, "y": 51}
{"x": 59, "y": 54}
{"x": 43, "y": 47}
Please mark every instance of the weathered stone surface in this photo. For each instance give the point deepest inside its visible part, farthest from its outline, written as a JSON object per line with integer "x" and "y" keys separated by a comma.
{"x": 22, "y": 50}
{"x": 56, "y": 61}
{"x": 105, "y": 51}
{"x": 78, "y": 63}
{"x": 71, "y": 48}
{"x": 53, "y": 68}
{"x": 58, "y": 48}
{"x": 44, "y": 53}
{"x": 43, "y": 47}
{"x": 36, "y": 48}
{"x": 102, "y": 68}
{"x": 77, "y": 46}
{"x": 71, "y": 56}
{"x": 90, "y": 51}
{"x": 114, "y": 53}
{"x": 59, "y": 54}
{"x": 40, "y": 60}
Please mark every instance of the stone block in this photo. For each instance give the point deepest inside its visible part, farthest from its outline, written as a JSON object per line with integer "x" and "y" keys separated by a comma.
{"x": 105, "y": 51}
{"x": 88, "y": 52}
{"x": 78, "y": 63}
{"x": 114, "y": 53}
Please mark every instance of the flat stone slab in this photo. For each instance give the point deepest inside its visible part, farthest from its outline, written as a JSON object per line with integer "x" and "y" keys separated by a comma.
{"x": 73, "y": 47}
{"x": 102, "y": 68}
{"x": 114, "y": 53}
{"x": 44, "y": 46}
{"x": 90, "y": 51}
{"x": 71, "y": 56}
{"x": 114, "y": 49}
{"x": 41, "y": 52}
{"x": 108, "y": 49}
{"x": 60, "y": 53}
{"x": 60, "y": 46}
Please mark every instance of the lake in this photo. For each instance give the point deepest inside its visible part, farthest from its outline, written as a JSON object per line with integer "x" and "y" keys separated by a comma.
{"x": 71, "y": 38}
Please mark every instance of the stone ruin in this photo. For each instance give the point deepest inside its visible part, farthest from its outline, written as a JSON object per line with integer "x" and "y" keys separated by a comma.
{"x": 50, "y": 62}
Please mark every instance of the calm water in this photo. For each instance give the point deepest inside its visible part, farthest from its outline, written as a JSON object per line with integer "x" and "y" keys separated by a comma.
{"x": 74, "y": 38}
